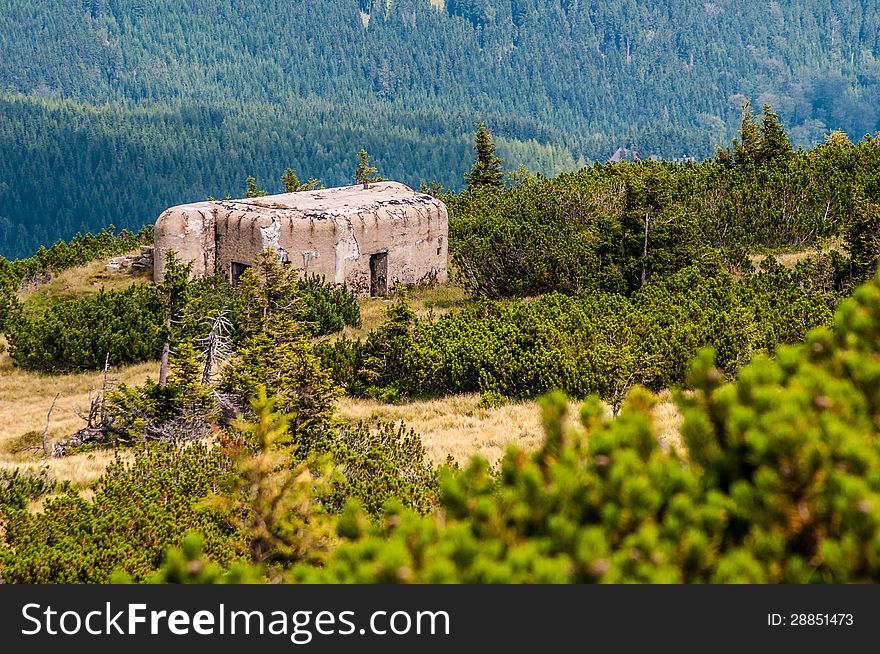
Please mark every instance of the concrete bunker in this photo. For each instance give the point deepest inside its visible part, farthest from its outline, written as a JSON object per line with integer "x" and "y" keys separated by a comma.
{"x": 370, "y": 239}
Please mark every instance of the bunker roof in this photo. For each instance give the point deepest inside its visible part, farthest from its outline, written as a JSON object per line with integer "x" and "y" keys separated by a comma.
{"x": 325, "y": 203}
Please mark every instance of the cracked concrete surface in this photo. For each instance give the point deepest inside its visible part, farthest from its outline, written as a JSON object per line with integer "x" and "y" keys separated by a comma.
{"x": 334, "y": 232}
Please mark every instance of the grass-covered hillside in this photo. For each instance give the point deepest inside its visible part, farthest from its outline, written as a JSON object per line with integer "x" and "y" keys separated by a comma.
{"x": 651, "y": 371}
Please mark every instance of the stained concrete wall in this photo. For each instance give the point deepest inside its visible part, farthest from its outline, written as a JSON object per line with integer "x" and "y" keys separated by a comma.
{"x": 329, "y": 232}
{"x": 188, "y": 230}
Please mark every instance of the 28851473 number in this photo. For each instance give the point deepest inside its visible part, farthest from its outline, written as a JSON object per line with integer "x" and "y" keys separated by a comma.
{"x": 810, "y": 620}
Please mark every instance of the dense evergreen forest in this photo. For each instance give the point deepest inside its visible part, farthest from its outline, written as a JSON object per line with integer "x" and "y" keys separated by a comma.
{"x": 111, "y": 110}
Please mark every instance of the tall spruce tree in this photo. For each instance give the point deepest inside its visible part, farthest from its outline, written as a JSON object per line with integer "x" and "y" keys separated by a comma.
{"x": 774, "y": 140}
{"x": 487, "y": 167}
{"x": 175, "y": 292}
{"x": 365, "y": 173}
{"x": 747, "y": 148}
{"x": 252, "y": 190}
{"x": 292, "y": 184}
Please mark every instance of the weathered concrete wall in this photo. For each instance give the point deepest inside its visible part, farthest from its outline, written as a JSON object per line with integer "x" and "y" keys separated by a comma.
{"x": 330, "y": 232}
{"x": 188, "y": 230}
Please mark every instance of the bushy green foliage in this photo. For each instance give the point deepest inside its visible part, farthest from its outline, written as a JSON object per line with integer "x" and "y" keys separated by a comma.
{"x": 61, "y": 256}
{"x": 139, "y": 510}
{"x": 379, "y": 464}
{"x": 275, "y": 355}
{"x": 778, "y": 482}
{"x": 862, "y": 233}
{"x": 131, "y": 324}
{"x": 115, "y": 327}
{"x": 184, "y": 408}
{"x": 252, "y": 190}
{"x": 309, "y": 304}
{"x": 136, "y": 412}
{"x": 275, "y": 497}
{"x": 614, "y": 227}
{"x": 186, "y": 565}
{"x": 17, "y": 488}
{"x": 781, "y": 484}
{"x": 293, "y": 185}
{"x": 492, "y": 399}
{"x": 78, "y": 334}
{"x": 326, "y": 308}
{"x": 81, "y": 249}
{"x": 594, "y": 343}
{"x": 286, "y": 366}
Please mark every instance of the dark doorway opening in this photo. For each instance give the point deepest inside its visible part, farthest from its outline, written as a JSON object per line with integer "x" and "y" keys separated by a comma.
{"x": 237, "y": 271}
{"x": 379, "y": 274}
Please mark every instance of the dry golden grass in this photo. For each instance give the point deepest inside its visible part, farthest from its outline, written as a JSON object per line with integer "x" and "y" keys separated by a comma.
{"x": 456, "y": 425}
{"x": 667, "y": 424}
{"x": 25, "y": 398}
{"x": 791, "y": 259}
{"x": 82, "y": 281}
{"x": 787, "y": 259}
{"x": 436, "y": 300}
{"x": 79, "y": 469}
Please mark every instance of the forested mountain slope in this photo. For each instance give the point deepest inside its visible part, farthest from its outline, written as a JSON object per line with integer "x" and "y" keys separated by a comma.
{"x": 112, "y": 109}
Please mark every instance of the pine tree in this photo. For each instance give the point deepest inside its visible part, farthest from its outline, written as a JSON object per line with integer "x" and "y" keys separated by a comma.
{"x": 292, "y": 184}
{"x": 747, "y": 148}
{"x": 174, "y": 291}
{"x": 276, "y": 505}
{"x": 252, "y": 190}
{"x": 774, "y": 140}
{"x": 197, "y": 402}
{"x": 487, "y": 167}
{"x": 276, "y": 353}
{"x": 366, "y": 172}
{"x": 290, "y": 181}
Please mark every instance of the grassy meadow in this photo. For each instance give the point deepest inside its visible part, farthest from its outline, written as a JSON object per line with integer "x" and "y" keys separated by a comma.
{"x": 455, "y": 425}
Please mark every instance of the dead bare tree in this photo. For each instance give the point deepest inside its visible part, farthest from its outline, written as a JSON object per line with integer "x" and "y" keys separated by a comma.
{"x": 163, "y": 362}
{"x": 98, "y": 423}
{"x": 216, "y": 347}
{"x": 104, "y": 383}
{"x": 46, "y": 430}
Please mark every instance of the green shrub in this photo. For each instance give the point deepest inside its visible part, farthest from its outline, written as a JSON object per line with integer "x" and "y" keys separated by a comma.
{"x": 139, "y": 511}
{"x": 781, "y": 484}
{"x": 186, "y": 565}
{"x": 81, "y": 249}
{"x": 593, "y": 343}
{"x": 275, "y": 356}
{"x": 130, "y": 324}
{"x": 379, "y": 464}
{"x": 17, "y": 488}
{"x": 327, "y": 308}
{"x": 79, "y": 334}
{"x": 614, "y": 227}
{"x": 492, "y": 399}
{"x": 342, "y": 360}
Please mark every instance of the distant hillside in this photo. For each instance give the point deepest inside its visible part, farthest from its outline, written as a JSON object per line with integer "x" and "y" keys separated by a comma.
{"x": 113, "y": 109}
